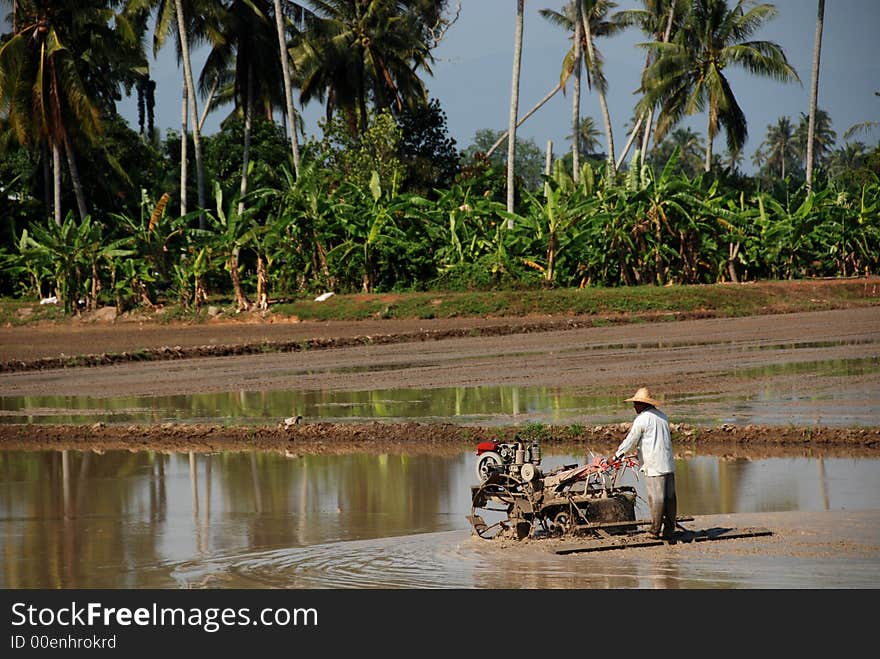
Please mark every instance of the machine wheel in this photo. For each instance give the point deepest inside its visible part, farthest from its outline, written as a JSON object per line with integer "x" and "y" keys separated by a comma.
{"x": 486, "y": 463}
{"x": 562, "y": 521}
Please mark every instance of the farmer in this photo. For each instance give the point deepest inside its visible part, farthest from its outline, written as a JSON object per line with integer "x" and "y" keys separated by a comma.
{"x": 650, "y": 436}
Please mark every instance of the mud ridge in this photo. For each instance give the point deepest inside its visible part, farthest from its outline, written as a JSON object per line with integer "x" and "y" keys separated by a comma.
{"x": 446, "y": 439}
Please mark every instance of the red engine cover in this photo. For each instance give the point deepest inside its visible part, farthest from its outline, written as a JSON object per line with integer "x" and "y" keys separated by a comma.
{"x": 482, "y": 447}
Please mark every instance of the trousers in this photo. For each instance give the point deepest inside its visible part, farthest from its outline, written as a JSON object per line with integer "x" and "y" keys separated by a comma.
{"x": 661, "y": 499}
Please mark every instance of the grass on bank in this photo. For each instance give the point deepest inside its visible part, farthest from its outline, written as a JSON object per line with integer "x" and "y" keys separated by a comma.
{"x": 719, "y": 300}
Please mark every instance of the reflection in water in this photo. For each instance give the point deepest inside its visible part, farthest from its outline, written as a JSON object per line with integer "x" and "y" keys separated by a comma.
{"x": 134, "y": 520}
{"x": 844, "y": 403}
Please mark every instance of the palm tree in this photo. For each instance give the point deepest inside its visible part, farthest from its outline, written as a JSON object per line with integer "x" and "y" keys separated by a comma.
{"x": 824, "y": 137}
{"x": 514, "y": 106}
{"x": 780, "y": 146}
{"x": 356, "y": 51}
{"x": 572, "y": 64}
{"x": 586, "y": 140}
{"x": 183, "y": 40}
{"x": 586, "y": 20}
{"x": 657, "y": 19}
{"x": 191, "y": 21}
{"x": 288, "y": 91}
{"x": 42, "y": 92}
{"x": 596, "y": 24}
{"x": 814, "y": 91}
{"x": 688, "y": 75}
{"x": 246, "y": 32}
{"x": 576, "y": 98}
{"x": 690, "y": 150}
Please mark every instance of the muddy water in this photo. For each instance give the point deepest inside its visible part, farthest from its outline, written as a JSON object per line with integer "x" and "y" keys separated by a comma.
{"x": 846, "y": 403}
{"x": 149, "y": 520}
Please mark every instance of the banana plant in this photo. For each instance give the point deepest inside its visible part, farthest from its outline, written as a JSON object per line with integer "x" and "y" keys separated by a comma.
{"x": 30, "y": 266}
{"x": 76, "y": 252}
{"x": 303, "y": 210}
{"x": 158, "y": 240}
{"x": 857, "y": 232}
{"x": 789, "y": 232}
{"x": 555, "y": 221}
{"x": 234, "y": 230}
{"x": 462, "y": 227}
{"x": 367, "y": 220}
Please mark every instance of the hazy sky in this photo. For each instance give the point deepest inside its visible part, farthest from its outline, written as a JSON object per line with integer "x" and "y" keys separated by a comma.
{"x": 473, "y": 78}
{"x": 473, "y": 72}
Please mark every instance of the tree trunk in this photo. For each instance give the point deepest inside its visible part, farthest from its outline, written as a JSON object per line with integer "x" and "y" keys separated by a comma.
{"x": 47, "y": 179}
{"x": 262, "y": 284}
{"x": 576, "y": 97}
{"x": 288, "y": 94}
{"x": 208, "y": 102}
{"x": 632, "y": 136}
{"x": 514, "y": 107}
{"x": 528, "y": 114}
{"x": 193, "y": 106}
{"x": 646, "y": 138}
{"x": 75, "y": 180}
{"x": 56, "y": 181}
{"x": 782, "y": 165}
{"x": 248, "y": 127}
{"x": 184, "y": 130}
{"x": 814, "y": 93}
{"x": 241, "y": 301}
{"x": 606, "y": 115}
{"x": 710, "y": 137}
{"x": 92, "y": 302}
{"x": 667, "y": 35}
{"x": 548, "y": 163}
{"x": 732, "y": 252}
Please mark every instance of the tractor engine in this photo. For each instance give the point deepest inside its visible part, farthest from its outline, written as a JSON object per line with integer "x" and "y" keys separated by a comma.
{"x": 513, "y": 458}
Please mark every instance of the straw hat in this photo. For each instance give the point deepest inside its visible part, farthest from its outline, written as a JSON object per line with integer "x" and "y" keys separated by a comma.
{"x": 643, "y": 396}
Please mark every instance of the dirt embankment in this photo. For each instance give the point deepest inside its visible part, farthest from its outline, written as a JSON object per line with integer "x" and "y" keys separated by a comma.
{"x": 446, "y": 439}
{"x": 99, "y": 338}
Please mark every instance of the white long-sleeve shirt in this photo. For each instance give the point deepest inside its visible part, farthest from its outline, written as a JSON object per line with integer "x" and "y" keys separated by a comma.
{"x": 650, "y": 435}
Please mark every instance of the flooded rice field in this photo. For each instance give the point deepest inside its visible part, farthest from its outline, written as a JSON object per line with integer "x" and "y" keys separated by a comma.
{"x": 120, "y": 519}
{"x": 850, "y": 398}
{"x": 93, "y": 516}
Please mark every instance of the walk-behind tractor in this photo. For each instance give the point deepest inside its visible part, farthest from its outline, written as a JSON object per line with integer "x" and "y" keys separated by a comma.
{"x": 584, "y": 502}
{"x": 567, "y": 500}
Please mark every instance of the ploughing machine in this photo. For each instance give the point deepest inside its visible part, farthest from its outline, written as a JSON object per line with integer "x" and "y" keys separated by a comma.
{"x": 583, "y": 501}
{"x": 567, "y": 500}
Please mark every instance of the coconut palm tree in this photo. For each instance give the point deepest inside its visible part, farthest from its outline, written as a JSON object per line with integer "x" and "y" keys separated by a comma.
{"x": 183, "y": 40}
{"x": 42, "y": 92}
{"x": 192, "y": 22}
{"x": 595, "y": 21}
{"x": 824, "y": 137}
{"x": 246, "y": 32}
{"x": 688, "y": 75}
{"x": 586, "y": 140}
{"x": 285, "y": 72}
{"x": 514, "y": 106}
{"x": 353, "y": 52}
{"x": 814, "y": 91}
{"x": 582, "y": 18}
{"x": 778, "y": 148}
{"x": 690, "y": 147}
{"x": 658, "y": 20}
